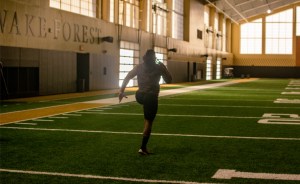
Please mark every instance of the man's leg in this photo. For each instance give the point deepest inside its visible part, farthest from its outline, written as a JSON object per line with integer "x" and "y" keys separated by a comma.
{"x": 150, "y": 110}
{"x": 146, "y": 134}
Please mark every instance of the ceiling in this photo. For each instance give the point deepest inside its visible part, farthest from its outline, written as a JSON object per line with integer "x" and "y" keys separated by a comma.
{"x": 239, "y": 10}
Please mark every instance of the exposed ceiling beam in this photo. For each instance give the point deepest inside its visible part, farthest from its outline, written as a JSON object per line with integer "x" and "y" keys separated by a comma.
{"x": 222, "y": 11}
{"x": 245, "y": 2}
{"x": 236, "y": 10}
{"x": 251, "y": 9}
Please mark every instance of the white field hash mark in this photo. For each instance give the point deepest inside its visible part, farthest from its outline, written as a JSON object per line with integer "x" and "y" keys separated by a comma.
{"x": 229, "y": 174}
{"x": 99, "y": 177}
{"x": 154, "y": 134}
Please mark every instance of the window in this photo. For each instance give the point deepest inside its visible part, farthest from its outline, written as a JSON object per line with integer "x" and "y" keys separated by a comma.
{"x": 208, "y": 69}
{"x": 83, "y": 7}
{"x": 159, "y": 17}
{"x": 251, "y": 37}
{"x": 218, "y": 70}
{"x": 129, "y": 57}
{"x": 177, "y": 19}
{"x": 279, "y": 33}
{"x": 111, "y": 10}
{"x": 129, "y": 13}
{"x": 298, "y": 21}
{"x": 206, "y": 16}
{"x": 161, "y": 55}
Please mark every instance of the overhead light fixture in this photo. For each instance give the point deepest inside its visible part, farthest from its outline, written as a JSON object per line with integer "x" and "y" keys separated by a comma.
{"x": 172, "y": 50}
{"x": 269, "y": 10}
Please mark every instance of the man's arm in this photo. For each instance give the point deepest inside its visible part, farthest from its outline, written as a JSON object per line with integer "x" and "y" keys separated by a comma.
{"x": 165, "y": 73}
{"x": 129, "y": 76}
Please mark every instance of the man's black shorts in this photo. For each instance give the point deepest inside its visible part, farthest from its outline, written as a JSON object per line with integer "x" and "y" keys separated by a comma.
{"x": 149, "y": 102}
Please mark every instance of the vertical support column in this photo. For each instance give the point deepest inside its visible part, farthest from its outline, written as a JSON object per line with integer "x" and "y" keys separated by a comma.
{"x": 169, "y": 17}
{"x": 297, "y": 50}
{"x": 212, "y": 12}
{"x": 104, "y": 10}
{"x": 228, "y": 35}
{"x": 144, "y": 15}
{"x": 221, "y": 21}
{"x": 186, "y": 21}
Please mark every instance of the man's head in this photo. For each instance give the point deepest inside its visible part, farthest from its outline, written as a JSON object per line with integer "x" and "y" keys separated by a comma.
{"x": 149, "y": 57}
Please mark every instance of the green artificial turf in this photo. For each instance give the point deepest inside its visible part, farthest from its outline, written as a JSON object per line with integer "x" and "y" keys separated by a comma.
{"x": 225, "y": 111}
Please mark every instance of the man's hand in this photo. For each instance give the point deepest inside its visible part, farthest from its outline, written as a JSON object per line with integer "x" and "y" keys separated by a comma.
{"x": 121, "y": 96}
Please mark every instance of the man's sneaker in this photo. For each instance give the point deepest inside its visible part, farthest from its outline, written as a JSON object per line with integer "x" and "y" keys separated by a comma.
{"x": 143, "y": 152}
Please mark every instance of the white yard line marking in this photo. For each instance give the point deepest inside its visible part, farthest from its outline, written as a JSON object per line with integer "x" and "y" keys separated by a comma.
{"x": 90, "y": 112}
{"x": 131, "y": 98}
{"x": 119, "y": 105}
{"x": 221, "y": 106}
{"x": 25, "y": 123}
{"x": 42, "y": 120}
{"x": 180, "y": 115}
{"x": 94, "y": 110}
{"x": 292, "y": 88}
{"x": 58, "y": 117}
{"x": 72, "y": 114}
{"x": 155, "y": 134}
{"x": 291, "y": 93}
{"x": 229, "y": 174}
{"x": 98, "y": 177}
